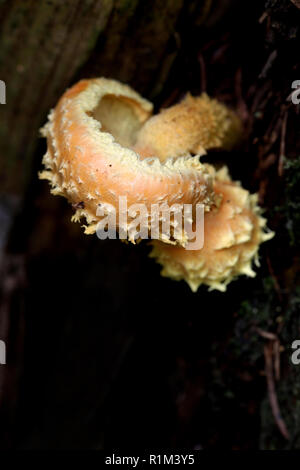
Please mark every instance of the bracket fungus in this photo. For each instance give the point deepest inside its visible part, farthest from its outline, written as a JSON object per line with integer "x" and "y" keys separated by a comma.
{"x": 103, "y": 143}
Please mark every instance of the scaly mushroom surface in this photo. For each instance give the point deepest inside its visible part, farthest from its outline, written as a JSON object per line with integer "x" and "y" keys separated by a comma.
{"x": 193, "y": 126}
{"x": 233, "y": 232}
{"x": 89, "y": 160}
{"x": 104, "y": 143}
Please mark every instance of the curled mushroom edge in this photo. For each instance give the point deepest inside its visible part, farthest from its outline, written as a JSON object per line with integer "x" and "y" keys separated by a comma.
{"x": 93, "y": 162}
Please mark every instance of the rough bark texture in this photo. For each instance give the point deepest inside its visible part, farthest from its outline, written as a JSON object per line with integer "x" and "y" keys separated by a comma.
{"x": 96, "y": 339}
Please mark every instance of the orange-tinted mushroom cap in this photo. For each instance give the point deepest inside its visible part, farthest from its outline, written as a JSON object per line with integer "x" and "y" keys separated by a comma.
{"x": 192, "y": 126}
{"x": 103, "y": 143}
{"x": 89, "y": 160}
{"x": 232, "y": 235}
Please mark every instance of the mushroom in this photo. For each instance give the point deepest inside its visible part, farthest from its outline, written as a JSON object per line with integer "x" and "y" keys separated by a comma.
{"x": 104, "y": 143}
{"x": 194, "y": 125}
{"x": 233, "y": 232}
{"x": 90, "y": 159}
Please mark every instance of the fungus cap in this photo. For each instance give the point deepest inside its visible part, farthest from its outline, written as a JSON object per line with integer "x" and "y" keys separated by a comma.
{"x": 232, "y": 235}
{"x": 90, "y": 160}
{"x": 194, "y": 125}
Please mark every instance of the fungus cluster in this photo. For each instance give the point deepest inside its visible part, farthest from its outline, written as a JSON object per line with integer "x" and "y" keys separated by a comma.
{"x": 103, "y": 143}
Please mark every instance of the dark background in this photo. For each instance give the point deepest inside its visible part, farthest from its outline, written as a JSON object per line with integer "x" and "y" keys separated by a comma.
{"x": 101, "y": 351}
